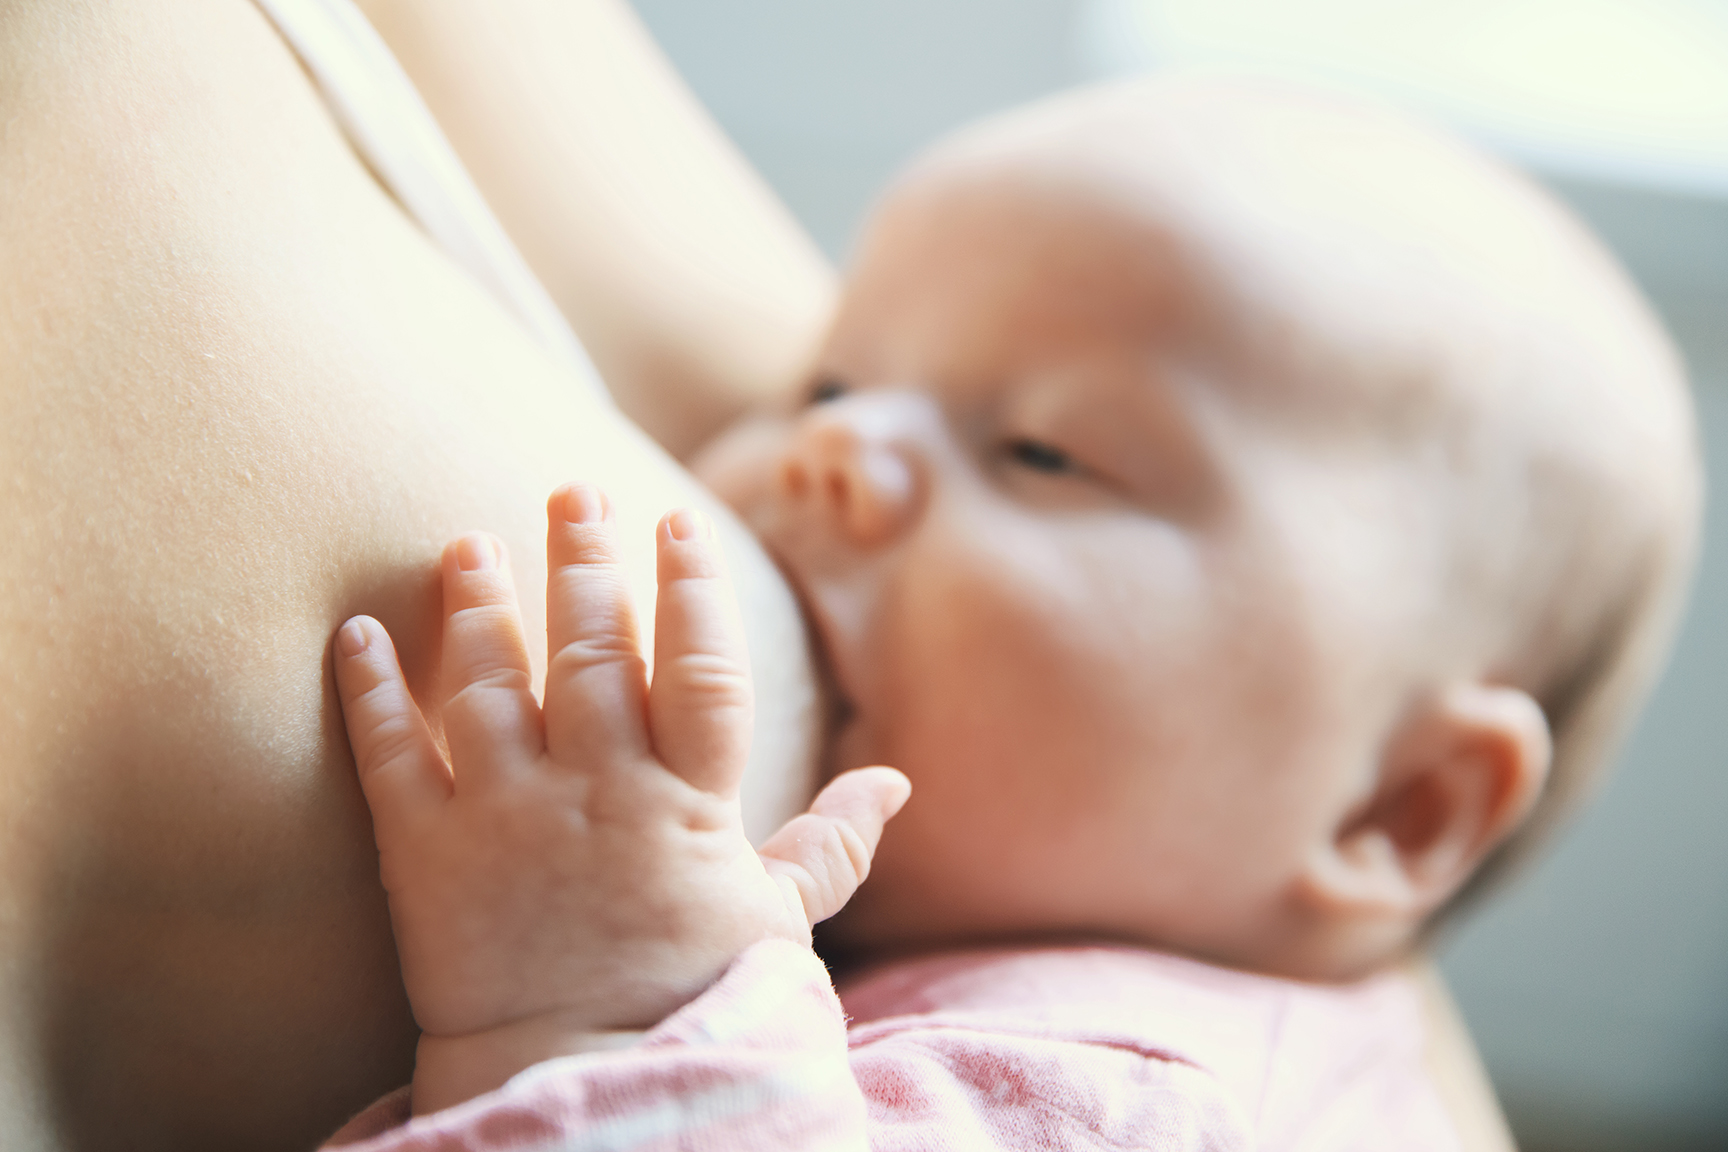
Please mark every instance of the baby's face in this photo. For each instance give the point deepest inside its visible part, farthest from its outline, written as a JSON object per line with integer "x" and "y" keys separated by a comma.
{"x": 1096, "y": 594}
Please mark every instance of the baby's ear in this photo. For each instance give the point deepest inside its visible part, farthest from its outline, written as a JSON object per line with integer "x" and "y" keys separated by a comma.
{"x": 1460, "y": 773}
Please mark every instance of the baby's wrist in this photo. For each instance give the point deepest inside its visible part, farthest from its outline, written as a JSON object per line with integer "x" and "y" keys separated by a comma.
{"x": 451, "y": 1069}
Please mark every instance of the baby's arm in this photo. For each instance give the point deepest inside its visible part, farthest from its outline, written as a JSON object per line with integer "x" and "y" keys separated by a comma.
{"x": 575, "y": 873}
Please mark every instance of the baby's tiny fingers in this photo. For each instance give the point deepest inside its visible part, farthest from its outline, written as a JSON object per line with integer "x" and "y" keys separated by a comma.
{"x": 595, "y": 677}
{"x": 491, "y": 718}
{"x": 400, "y": 768}
{"x": 700, "y": 704}
{"x": 825, "y": 853}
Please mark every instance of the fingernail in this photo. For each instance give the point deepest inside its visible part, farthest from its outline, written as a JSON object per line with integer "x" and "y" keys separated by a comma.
{"x": 476, "y": 553}
{"x": 584, "y": 504}
{"x": 687, "y": 524}
{"x": 351, "y": 639}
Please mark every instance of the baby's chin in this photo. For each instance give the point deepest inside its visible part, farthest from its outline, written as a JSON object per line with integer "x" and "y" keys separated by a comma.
{"x": 853, "y": 938}
{"x": 868, "y": 932}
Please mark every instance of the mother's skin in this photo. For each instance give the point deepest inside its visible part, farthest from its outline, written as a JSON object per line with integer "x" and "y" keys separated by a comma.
{"x": 242, "y": 398}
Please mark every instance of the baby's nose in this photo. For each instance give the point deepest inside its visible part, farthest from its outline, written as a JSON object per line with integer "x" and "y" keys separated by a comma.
{"x": 851, "y": 473}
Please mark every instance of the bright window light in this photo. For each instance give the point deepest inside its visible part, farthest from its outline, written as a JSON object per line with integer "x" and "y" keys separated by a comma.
{"x": 1632, "y": 91}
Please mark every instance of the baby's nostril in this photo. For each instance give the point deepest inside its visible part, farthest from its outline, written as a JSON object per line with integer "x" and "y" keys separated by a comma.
{"x": 836, "y": 490}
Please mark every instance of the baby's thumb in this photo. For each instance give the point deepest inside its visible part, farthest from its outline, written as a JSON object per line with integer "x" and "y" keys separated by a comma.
{"x": 825, "y": 853}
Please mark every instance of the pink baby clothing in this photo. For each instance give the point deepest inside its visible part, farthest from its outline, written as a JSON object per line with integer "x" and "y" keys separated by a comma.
{"x": 1052, "y": 1048}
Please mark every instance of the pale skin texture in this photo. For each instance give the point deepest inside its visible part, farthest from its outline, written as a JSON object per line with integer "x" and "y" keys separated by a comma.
{"x": 242, "y": 399}
{"x": 576, "y": 872}
{"x": 694, "y": 291}
{"x": 1177, "y": 525}
{"x": 1159, "y": 617}
{"x": 1057, "y": 554}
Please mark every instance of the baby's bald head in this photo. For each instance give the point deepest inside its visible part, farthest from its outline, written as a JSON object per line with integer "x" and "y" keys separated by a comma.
{"x": 1379, "y": 292}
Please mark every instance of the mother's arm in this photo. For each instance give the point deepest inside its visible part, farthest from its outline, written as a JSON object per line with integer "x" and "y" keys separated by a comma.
{"x": 691, "y": 286}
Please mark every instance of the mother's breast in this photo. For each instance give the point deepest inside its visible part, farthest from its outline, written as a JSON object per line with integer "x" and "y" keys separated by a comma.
{"x": 241, "y": 398}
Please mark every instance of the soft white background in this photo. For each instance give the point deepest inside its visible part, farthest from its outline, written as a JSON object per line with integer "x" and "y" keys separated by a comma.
{"x": 1598, "y": 988}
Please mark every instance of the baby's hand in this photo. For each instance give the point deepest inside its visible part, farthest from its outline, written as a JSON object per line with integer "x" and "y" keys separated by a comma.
{"x": 576, "y": 873}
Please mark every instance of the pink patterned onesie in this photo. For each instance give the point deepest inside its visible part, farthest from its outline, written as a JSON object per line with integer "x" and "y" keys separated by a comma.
{"x": 1054, "y": 1048}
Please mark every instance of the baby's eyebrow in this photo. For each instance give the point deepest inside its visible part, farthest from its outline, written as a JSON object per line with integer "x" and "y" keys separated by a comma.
{"x": 1397, "y": 400}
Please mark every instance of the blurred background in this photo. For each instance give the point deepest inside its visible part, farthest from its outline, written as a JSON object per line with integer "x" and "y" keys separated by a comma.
{"x": 1598, "y": 987}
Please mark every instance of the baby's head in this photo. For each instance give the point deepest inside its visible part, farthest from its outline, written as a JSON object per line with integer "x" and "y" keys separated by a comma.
{"x": 1241, "y": 514}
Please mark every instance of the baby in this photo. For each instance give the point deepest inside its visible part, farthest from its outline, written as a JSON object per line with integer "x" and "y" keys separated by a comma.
{"x": 1245, "y": 519}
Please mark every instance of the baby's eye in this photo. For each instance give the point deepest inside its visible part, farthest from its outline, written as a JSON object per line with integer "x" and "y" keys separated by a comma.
{"x": 826, "y": 389}
{"x": 1039, "y": 456}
